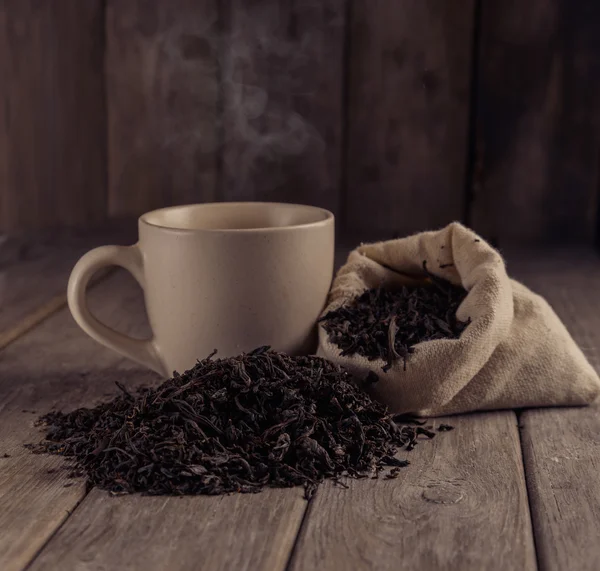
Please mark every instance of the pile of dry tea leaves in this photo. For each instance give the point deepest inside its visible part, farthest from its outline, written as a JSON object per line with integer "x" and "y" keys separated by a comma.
{"x": 234, "y": 425}
{"x": 385, "y": 324}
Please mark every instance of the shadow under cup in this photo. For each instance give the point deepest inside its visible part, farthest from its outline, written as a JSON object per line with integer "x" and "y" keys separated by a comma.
{"x": 235, "y": 276}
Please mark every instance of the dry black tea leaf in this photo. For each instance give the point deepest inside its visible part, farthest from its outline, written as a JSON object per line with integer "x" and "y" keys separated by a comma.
{"x": 234, "y": 425}
{"x": 445, "y": 428}
{"x": 387, "y": 324}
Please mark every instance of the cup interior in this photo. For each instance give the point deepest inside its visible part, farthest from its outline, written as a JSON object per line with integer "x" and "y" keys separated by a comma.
{"x": 237, "y": 216}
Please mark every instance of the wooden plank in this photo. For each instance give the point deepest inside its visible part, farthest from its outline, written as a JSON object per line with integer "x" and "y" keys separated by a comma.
{"x": 410, "y": 67}
{"x": 568, "y": 278}
{"x": 52, "y": 124}
{"x": 538, "y": 121}
{"x": 562, "y": 461}
{"x": 55, "y": 365}
{"x": 35, "y": 506}
{"x": 228, "y": 532}
{"x": 58, "y": 366}
{"x": 461, "y": 504}
{"x": 561, "y": 447}
{"x": 283, "y": 101}
{"x": 162, "y": 92}
{"x": 32, "y": 287}
{"x": 34, "y": 276}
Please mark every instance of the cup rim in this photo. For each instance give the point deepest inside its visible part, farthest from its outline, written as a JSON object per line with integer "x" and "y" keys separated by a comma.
{"x": 329, "y": 217}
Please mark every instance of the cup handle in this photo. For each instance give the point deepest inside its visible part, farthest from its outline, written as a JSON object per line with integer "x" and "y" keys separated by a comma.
{"x": 143, "y": 352}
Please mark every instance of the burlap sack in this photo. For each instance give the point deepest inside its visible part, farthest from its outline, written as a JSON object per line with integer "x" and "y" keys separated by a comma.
{"x": 515, "y": 353}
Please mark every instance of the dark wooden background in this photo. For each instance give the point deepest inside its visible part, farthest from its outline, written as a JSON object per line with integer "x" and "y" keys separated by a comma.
{"x": 399, "y": 115}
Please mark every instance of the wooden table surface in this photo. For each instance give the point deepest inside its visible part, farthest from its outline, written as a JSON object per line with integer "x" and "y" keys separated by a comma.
{"x": 508, "y": 490}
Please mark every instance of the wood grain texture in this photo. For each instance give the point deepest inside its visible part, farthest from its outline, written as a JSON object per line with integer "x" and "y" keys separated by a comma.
{"x": 58, "y": 366}
{"x": 538, "y": 121}
{"x": 162, "y": 97}
{"x": 32, "y": 287}
{"x": 57, "y": 357}
{"x": 31, "y": 490}
{"x": 410, "y": 67}
{"x": 241, "y": 532}
{"x": 569, "y": 279}
{"x": 52, "y": 115}
{"x": 55, "y": 365}
{"x": 283, "y": 100}
{"x": 34, "y": 275}
{"x": 561, "y": 447}
{"x": 461, "y": 504}
{"x": 562, "y": 458}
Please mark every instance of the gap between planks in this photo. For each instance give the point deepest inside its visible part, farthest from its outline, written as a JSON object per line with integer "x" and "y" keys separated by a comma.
{"x": 242, "y": 532}
{"x": 43, "y": 312}
{"x": 461, "y": 504}
{"x": 258, "y": 531}
{"x": 436, "y": 515}
{"x": 57, "y": 366}
{"x": 34, "y": 277}
{"x": 367, "y": 523}
{"x": 561, "y": 447}
{"x": 83, "y": 368}
{"x": 54, "y": 365}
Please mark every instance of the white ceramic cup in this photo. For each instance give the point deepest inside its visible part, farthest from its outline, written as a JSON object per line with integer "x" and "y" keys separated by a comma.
{"x": 225, "y": 276}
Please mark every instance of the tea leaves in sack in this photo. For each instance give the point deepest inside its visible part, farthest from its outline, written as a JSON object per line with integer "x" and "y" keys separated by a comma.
{"x": 515, "y": 351}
